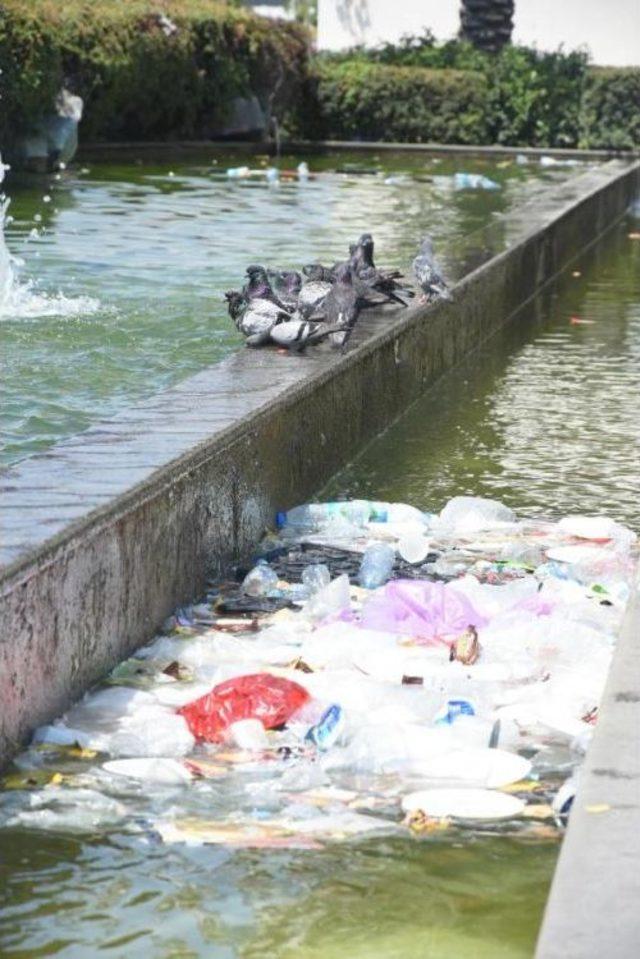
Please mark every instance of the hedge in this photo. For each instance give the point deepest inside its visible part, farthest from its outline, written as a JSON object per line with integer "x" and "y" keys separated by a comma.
{"x": 610, "y": 110}
{"x": 532, "y": 98}
{"x": 137, "y": 82}
{"x": 371, "y": 101}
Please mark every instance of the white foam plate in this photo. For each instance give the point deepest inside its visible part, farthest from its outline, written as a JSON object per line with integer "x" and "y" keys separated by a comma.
{"x": 482, "y": 804}
{"x": 577, "y": 554}
{"x": 588, "y": 527}
{"x": 489, "y": 768}
{"x": 166, "y": 772}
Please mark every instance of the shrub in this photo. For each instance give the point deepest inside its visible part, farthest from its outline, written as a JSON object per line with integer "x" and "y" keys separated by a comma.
{"x": 370, "y": 101}
{"x": 137, "y": 82}
{"x": 610, "y": 114}
{"x": 533, "y": 98}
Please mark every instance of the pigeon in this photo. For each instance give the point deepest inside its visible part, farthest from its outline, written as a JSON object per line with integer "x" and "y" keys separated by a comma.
{"x": 286, "y": 285}
{"x": 342, "y": 304}
{"x": 316, "y": 271}
{"x": 258, "y": 286}
{"x": 365, "y": 271}
{"x": 298, "y": 334}
{"x": 311, "y": 297}
{"x": 428, "y": 274}
{"x": 254, "y": 318}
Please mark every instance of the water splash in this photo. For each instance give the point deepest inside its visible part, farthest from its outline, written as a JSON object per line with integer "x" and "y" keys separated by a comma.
{"x": 19, "y": 300}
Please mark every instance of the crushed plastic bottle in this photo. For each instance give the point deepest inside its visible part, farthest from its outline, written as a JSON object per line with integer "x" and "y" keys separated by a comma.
{"x": 260, "y": 581}
{"x": 377, "y": 565}
{"x": 330, "y": 600}
{"x": 316, "y": 577}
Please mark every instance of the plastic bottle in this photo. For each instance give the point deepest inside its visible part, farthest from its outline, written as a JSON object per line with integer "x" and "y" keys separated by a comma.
{"x": 260, "y": 580}
{"x": 316, "y": 577}
{"x": 325, "y": 732}
{"x": 313, "y": 516}
{"x": 377, "y": 564}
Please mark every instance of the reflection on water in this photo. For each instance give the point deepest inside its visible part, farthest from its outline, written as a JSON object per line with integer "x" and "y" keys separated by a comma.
{"x": 124, "y": 266}
{"x": 387, "y": 899}
{"x": 544, "y": 417}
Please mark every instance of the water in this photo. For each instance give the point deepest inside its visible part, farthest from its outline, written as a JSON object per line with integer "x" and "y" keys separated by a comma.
{"x": 116, "y": 289}
{"x": 545, "y": 418}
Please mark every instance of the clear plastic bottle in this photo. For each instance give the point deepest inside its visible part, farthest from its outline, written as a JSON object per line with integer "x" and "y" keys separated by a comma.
{"x": 313, "y": 516}
{"x": 260, "y": 580}
{"x": 377, "y": 565}
{"x": 315, "y": 577}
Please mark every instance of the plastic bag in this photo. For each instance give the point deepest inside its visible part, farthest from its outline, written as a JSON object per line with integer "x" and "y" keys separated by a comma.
{"x": 271, "y": 699}
{"x": 431, "y": 612}
{"x": 470, "y": 514}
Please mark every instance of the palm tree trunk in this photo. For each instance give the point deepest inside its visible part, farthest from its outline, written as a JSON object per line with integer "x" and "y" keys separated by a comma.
{"x": 487, "y": 24}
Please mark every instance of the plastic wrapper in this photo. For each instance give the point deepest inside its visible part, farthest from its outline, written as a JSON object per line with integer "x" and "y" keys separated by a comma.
{"x": 271, "y": 699}
{"x": 429, "y": 612}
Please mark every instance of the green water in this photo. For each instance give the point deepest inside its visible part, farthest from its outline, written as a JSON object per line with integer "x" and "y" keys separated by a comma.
{"x": 124, "y": 265}
{"x": 545, "y": 417}
{"x": 387, "y": 899}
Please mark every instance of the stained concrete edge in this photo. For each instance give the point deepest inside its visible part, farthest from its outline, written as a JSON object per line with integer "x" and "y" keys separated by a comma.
{"x": 175, "y": 147}
{"x": 594, "y": 905}
{"x": 79, "y": 601}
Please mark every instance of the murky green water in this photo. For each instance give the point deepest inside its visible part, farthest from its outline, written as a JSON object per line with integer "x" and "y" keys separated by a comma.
{"x": 546, "y": 418}
{"x": 126, "y": 264}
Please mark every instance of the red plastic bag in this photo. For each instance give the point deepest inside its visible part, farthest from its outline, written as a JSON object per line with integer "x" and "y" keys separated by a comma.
{"x": 262, "y": 696}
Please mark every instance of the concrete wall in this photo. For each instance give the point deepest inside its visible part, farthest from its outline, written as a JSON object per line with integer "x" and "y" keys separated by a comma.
{"x": 594, "y": 904}
{"x": 152, "y": 501}
{"x": 611, "y": 31}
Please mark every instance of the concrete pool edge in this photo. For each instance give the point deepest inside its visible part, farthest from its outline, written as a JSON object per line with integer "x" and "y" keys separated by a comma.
{"x": 592, "y": 910}
{"x": 177, "y": 147}
{"x": 84, "y": 598}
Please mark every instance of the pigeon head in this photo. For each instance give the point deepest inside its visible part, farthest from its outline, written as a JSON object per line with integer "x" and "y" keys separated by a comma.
{"x": 313, "y": 271}
{"x": 235, "y": 303}
{"x": 257, "y": 271}
{"x": 291, "y": 281}
{"x": 366, "y": 245}
{"x": 258, "y": 281}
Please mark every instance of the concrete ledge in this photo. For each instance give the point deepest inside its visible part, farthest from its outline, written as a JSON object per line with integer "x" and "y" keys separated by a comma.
{"x": 594, "y": 904}
{"x": 151, "y": 502}
{"x": 178, "y": 147}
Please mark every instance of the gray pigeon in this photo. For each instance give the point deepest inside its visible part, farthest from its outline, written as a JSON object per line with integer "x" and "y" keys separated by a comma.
{"x": 286, "y": 285}
{"x": 311, "y": 297}
{"x": 371, "y": 280}
{"x": 342, "y": 304}
{"x": 259, "y": 287}
{"x": 255, "y": 318}
{"x": 428, "y": 274}
{"x": 296, "y": 335}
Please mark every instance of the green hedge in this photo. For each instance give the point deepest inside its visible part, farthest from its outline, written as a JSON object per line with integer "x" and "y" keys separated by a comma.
{"x": 138, "y": 83}
{"x": 532, "y": 98}
{"x": 610, "y": 112}
{"x": 372, "y": 101}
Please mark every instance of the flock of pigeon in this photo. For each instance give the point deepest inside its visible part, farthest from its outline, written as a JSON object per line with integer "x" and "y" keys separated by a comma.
{"x": 295, "y": 310}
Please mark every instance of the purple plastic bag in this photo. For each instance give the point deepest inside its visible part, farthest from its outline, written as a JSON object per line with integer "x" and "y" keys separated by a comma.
{"x": 429, "y": 612}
